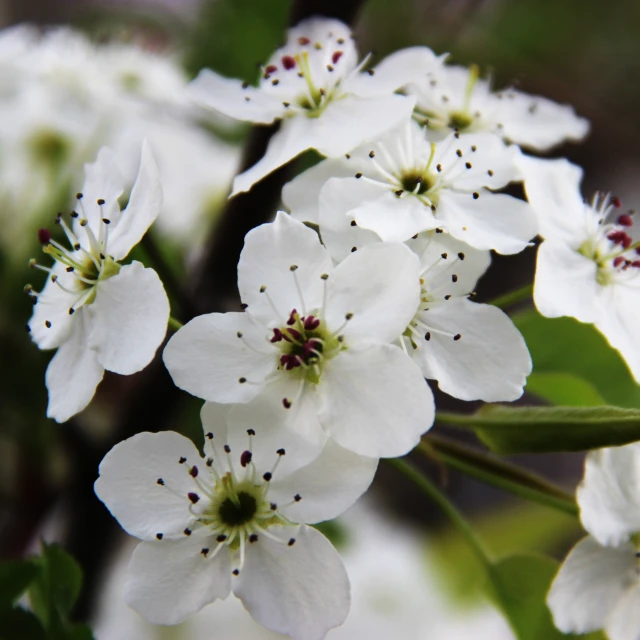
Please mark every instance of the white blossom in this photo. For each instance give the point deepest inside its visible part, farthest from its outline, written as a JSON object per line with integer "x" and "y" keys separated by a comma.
{"x": 405, "y": 183}
{"x": 233, "y": 520}
{"x": 453, "y": 97}
{"x": 316, "y": 87}
{"x": 588, "y": 267}
{"x": 598, "y": 586}
{"x": 313, "y": 350}
{"x": 98, "y": 313}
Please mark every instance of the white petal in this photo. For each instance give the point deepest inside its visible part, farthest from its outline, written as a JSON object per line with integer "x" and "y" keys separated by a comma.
{"x": 489, "y": 362}
{"x": 208, "y": 359}
{"x": 394, "y": 72}
{"x": 588, "y": 585}
{"x": 144, "y": 206}
{"x": 73, "y": 374}
{"x": 128, "y": 484}
{"x": 339, "y": 231}
{"x": 608, "y": 496}
{"x": 351, "y": 121}
{"x": 491, "y": 221}
{"x": 169, "y": 580}
{"x": 375, "y": 401}
{"x": 328, "y": 486}
{"x": 624, "y": 621}
{"x": 565, "y": 283}
{"x": 227, "y": 96}
{"x": 618, "y": 321}
{"x": 300, "y": 590}
{"x": 395, "y": 219}
{"x": 128, "y": 319}
{"x": 301, "y": 195}
{"x": 269, "y": 252}
{"x": 380, "y": 286}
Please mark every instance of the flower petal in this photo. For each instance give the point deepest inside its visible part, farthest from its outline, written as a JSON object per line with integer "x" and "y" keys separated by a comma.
{"x": 300, "y": 590}
{"x": 624, "y": 621}
{"x": 490, "y": 221}
{"x": 270, "y": 251}
{"x": 375, "y": 401}
{"x": 588, "y": 585}
{"x": 171, "y": 579}
{"x": 73, "y": 374}
{"x": 210, "y": 360}
{"x": 144, "y": 206}
{"x": 379, "y": 287}
{"x": 228, "y": 96}
{"x": 328, "y": 486}
{"x": 128, "y": 484}
{"x": 128, "y": 319}
{"x": 608, "y": 497}
{"x": 490, "y": 361}
{"x": 565, "y": 283}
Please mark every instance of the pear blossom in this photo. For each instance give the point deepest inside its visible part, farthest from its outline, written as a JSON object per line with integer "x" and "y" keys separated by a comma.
{"x": 313, "y": 351}
{"x": 598, "y": 586}
{"x": 588, "y": 267}
{"x": 232, "y": 520}
{"x": 414, "y": 184}
{"x": 316, "y": 87}
{"x": 98, "y": 313}
{"x": 454, "y": 97}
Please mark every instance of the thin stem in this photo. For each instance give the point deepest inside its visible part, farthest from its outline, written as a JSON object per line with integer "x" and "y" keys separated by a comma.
{"x": 498, "y": 473}
{"x": 455, "y": 419}
{"x": 175, "y": 324}
{"x": 427, "y": 487}
{"x": 513, "y": 297}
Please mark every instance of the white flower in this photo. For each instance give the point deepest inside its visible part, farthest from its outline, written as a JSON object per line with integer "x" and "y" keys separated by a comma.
{"x": 98, "y": 313}
{"x": 589, "y": 264}
{"x": 315, "y": 85}
{"x": 232, "y": 521}
{"x": 412, "y": 184}
{"x": 313, "y": 351}
{"x": 455, "y": 97}
{"x": 598, "y": 586}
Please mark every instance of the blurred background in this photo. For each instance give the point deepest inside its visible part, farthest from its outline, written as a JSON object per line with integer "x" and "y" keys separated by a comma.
{"x": 114, "y": 72}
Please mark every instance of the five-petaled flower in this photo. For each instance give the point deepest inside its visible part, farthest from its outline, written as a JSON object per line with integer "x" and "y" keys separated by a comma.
{"x": 313, "y": 348}
{"x": 98, "y": 313}
{"x": 598, "y": 586}
{"x": 315, "y": 85}
{"x": 233, "y": 520}
{"x": 452, "y": 97}
{"x": 588, "y": 266}
{"x": 405, "y": 183}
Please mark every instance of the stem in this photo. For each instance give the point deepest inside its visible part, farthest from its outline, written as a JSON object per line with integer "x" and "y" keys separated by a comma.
{"x": 498, "y": 473}
{"x": 427, "y": 487}
{"x": 513, "y": 297}
{"x": 175, "y": 324}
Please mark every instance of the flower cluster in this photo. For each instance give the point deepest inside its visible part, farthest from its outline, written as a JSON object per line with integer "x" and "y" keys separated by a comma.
{"x": 351, "y": 300}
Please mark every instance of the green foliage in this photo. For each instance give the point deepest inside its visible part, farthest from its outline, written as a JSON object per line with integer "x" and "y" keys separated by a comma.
{"x": 564, "y": 389}
{"x": 18, "y": 624}
{"x": 15, "y": 577}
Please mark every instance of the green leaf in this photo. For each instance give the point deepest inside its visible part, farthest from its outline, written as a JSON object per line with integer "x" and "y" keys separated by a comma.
{"x": 519, "y": 586}
{"x": 15, "y": 577}
{"x": 564, "y": 345}
{"x": 18, "y": 624}
{"x": 506, "y": 429}
{"x": 564, "y": 389}
{"x": 79, "y": 632}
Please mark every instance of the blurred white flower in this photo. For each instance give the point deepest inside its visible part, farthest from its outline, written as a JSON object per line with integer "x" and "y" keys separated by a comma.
{"x": 229, "y": 522}
{"x": 405, "y": 183}
{"x": 453, "y": 97}
{"x": 98, "y": 313}
{"x": 589, "y": 263}
{"x": 313, "y": 351}
{"x": 598, "y": 586}
{"x": 316, "y": 86}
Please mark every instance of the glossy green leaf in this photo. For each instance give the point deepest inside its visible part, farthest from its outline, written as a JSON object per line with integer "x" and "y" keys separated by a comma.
{"x": 564, "y": 389}
{"x": 15, "y": 577}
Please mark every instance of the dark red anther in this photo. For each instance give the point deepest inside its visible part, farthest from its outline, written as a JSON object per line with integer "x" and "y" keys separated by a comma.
{"x": 615, "y": 201}
{"x": 293, "y": 316}
{"x": 626, "y": 241}
{"x": 271, "y": 68}
{"x": 277, "y": 335}
{"x": 288, "y": 62}
{"x": 44, "y": 236}
{"x": 294, "y": 333}
{"x": 625, "y": 220}
{"x": 336, "y": 56}
{"x": 311, "y": 323}
{"x": 303, "y": 41}
{"x": 636, "y": 263}
{"x": 193, "y": 472}
{"x": 309, "y": 347}
{"x": 618, "y": 261}
{"x": 194, "y": 497}
{"x": 245, "y": 458}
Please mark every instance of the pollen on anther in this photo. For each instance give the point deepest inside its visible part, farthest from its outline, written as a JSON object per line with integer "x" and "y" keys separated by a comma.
{"x": 187, "y": 532}
{"x": 47, "y": 324}
{"x": 353, "y": 249}
{"x": 245, "y": 458}
{"x": 221, "y": 538}
{"x": 242, "y": 380}
{"x": 251, "y": 432}
{"x": 273, "y": 506}
{"x": 267, "y": 476}
{"x": 399, "y": 192}
{"x": 291, "y": 542}
{"x": 227, "y": 448}
{"x": 204, "y": 552}
{"x": 194, "y": 497}
{"x": 448, "y": 297}
{"x": 325, "y": 276}
{"x": 438, "y": 168}
{"x": 454, "y": 278}
{"x": 476, "y": 195}
{"x": 293, "y": 267}
{"x": 467, "y": 165}
{"x": 253, "y": 538}
{"x": 160, "y": 481}
{"x": 79, "y": 196}
{"x": 193, "y": 472}
{"x": 236, "y": 572}
{"x": 348, "y": 316}
{"x": 459, "y": 153}
{"x": 209, "y": 462}
{"x": 297, "y": 497}
{"x": 159, "y": 536}
{"x": 490, "y": 172}
{"x": 461, "y": 256}
{"x": 286, "y": 403}
{"x": 371, "y": 72}
{"x": 372, "y": 154}
{"x": 457, "y": 336}
{"x": 444, "y": 256}
{"x": 182, "y": 459}
{"x": 427, "y": 336}
{"x": 358, "y": 175}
